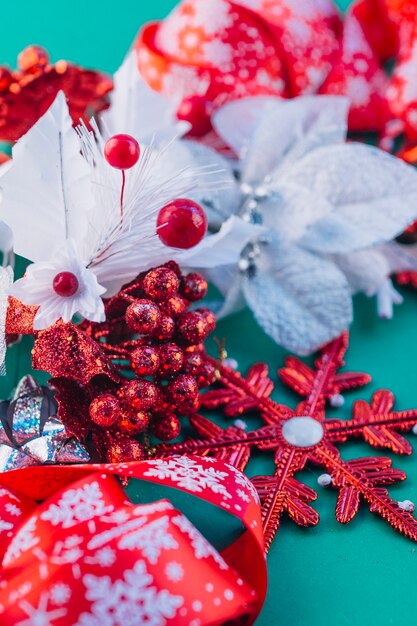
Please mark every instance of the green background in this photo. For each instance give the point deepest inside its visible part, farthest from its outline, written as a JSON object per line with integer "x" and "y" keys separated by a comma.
{"x": 362, "y": 574}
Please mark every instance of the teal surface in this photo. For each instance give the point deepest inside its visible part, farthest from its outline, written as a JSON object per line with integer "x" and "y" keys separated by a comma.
{"x": 363, "y": 574}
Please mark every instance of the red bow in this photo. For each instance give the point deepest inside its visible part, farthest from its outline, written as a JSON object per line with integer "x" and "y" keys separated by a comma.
{"x": 88, "y": 557}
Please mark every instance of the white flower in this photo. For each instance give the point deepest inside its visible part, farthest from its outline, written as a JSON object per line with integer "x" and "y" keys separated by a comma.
{"x": 37, "y": 288}
{"x": 63, "y": 202}
{"x": 321, "y": 201}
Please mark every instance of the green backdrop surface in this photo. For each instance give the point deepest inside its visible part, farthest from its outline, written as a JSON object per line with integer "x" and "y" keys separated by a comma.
{"x": 363, "y": 574}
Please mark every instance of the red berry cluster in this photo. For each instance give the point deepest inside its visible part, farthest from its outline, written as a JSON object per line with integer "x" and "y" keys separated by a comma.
{"x": 150, "y": 332}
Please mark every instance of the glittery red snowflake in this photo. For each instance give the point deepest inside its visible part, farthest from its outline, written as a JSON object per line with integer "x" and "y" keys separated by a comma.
{"x": 304, "y": 435}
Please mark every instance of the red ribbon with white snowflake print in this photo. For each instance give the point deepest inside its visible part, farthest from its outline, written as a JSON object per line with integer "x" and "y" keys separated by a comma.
{"x": 88, "y": 557}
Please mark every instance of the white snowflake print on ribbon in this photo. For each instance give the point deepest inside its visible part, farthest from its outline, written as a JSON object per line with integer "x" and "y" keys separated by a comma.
{"x": 40, "y": 615}
{"x": 189, "y": 474}
{"x": 151, "y": 539}
{"x": 13, "y": 509}
{"x": 202, "y": 548}
{"x": 174, "y": 571}
{"x": 60, "y": 593}
{"x": 130, "y": 602}
{"x": 24, "y": 540}
{"x": 77, "y": 505}
{"x": 245, "y": 482}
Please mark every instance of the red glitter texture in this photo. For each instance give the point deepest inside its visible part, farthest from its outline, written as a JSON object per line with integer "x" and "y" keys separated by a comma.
{"x": 27, "y": 93}
{"x": 130, "y": 362}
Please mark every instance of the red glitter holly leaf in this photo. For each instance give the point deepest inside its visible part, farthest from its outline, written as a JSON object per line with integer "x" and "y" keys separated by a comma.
{"x": 376, "y": 423}
{"x": 73, "y": 402}
{"x": 65, "y": 351}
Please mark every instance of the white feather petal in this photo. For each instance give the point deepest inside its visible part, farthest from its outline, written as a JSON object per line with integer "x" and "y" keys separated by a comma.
{"x": 46, "y": 193}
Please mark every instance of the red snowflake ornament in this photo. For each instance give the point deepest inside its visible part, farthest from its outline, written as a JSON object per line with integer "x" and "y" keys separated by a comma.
{"x": 304, "y": 435}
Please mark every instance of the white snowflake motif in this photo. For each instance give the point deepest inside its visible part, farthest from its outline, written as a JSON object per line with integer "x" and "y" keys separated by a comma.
{"x": 243, "y": 495}
{"x": 40, "y": 615}
{"x": 174, "y": 571}
{"x": 212, "y": 16}
{"x": 151, "y": 539}
{"x": 105, "y": 557}
{"x": 217, "y": 53}
{"x": 77, "y": 505}
{"x": 189, "y": 474}
{"x": 13, "y": 509}
{"x": 202, "y": 548}
{"x": 5, "y": 525}
{"x": 24, "y": 540}
{"x": 243, "y": 481}
{"x": 130, "y": 601}
{"x": 358, "y": 90}
{"x": 68, "y": 551}
{"x": 60, "y": 593}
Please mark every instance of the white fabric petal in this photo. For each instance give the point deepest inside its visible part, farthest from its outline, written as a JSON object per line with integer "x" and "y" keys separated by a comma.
{"x": 374, "y": 196}
{"x": 300, "y": 300}
{"x": 222, "y": 248}
{"x": 365, "y": 270}
{"x": 45, "y": 193}
{"x": 277, "y": 131}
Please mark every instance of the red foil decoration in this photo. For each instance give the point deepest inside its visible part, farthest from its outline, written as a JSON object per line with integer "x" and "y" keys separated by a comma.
{"x": 87, "y": 554}
{"x": 27, "y": 93}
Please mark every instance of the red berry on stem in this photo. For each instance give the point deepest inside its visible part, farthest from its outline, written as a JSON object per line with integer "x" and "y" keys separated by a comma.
{"x": 171, "y": 358}
{"x": 65, "y": 284}
{"x": 196, "y": 110}
{"x": 160, "y": 284}
{"x": 166, "y": 427}
{"x": 139, "y": 394}
{"x": 133, "y": 422}
{"x": 181, "y": 224}
{"x": 174, "y": 306}
{"x": 143, "y": 316}
{"x": 144, "y": 360}
{"x": 166, "y": 328}
{"x": 122, "y": 151}
{"x": 209, "y": 316}
{"x": 194, "y": 287}
{"x": 125, "y": 449}
{"x": 193, "y": 363}
{"x": 184, "y": 393}
{"x": 105, "y": 410}
{"x": 192, "y": 328}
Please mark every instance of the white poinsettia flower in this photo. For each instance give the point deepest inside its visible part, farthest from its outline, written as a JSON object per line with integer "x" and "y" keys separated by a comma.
{"x": 62, "y": 201}
{"x": 37, "y": 288}
{"x": 325, "y": 204}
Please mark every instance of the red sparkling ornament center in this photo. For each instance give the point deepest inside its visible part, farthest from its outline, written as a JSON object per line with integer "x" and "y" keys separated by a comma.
{"x": 65, "y": 284}
{"x": 181, "y": 224}
{"x": 122, "y": 151}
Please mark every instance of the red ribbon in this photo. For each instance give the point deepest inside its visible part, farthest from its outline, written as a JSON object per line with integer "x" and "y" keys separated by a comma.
{"x": 88, "y": 557}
